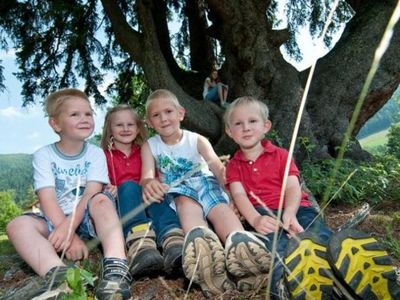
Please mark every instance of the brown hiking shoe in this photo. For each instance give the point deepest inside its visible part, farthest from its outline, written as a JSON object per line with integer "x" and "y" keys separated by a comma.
{"x": 204, "y": 262}
{"x": 142, "y": 252}
{"x": 172, "y": 246}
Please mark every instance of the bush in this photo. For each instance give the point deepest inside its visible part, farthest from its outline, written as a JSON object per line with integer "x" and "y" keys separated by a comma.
{"x": 393, "y": 144}
{"x": 8, "y": 210}
{"x": 371, "y": 182}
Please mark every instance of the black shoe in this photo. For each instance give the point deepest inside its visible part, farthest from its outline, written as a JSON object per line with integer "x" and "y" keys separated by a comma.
{"x": 362, "y": 265}
{"x": 115, "y": 282}
{"x": 55, "y": 286}
{"x": 172, "y": 246}
{"x": 308, "y": 274}
{"x": 144, "y": 257}
{"x": 204, "y": 262}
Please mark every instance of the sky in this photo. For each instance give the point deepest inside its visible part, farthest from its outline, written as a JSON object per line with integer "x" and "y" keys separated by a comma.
{"x": 24, "y": 130}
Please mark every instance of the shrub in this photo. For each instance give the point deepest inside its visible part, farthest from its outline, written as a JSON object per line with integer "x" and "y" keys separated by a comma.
{"x": 393, "y": 144}
{"x": 8, "y": 210}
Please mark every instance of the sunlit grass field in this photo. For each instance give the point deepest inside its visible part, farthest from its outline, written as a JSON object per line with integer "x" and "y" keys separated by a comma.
{"x": 373, "y": 141}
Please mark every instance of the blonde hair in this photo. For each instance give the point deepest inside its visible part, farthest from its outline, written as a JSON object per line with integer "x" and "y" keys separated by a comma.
{"x": 162, "y": 93}
{"x": 55, "y": 100}
{"x": 106, "y": 137}
{"x": 246, "y": 101}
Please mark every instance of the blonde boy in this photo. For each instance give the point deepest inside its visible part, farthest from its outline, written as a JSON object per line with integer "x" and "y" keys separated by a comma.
{"x": 69, "y": 176}
{"x": 188, "y": 169}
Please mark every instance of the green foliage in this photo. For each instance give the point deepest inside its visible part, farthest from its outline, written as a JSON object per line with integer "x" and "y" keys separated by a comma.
{"x": 8, "y": 210}
{"x": 354, "y": 183}
{"x": 393, "y": 144}
{"x": 16, "y": 174}
{"x": 6, "y": 248}
{"x": 77, "y": 279}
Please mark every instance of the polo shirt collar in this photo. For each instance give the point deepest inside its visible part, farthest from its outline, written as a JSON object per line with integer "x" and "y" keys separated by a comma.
{"x": 268, "y": 148}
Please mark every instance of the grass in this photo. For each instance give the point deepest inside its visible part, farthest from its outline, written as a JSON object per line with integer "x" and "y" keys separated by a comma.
{"x": 373, "y": 141}
{"x": 5, "y": 246}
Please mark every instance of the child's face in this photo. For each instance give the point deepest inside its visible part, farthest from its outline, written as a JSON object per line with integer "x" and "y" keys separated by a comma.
{"x": 123, "y": 127}
{"x": 75, "y": 121}
{"x": 165, "y": 117}
{"x": 246, "y": 126}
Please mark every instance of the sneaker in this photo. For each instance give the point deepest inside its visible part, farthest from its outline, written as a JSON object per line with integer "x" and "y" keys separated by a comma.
{"x": 204, "y": 262}
{"x": 308, "y": 274}
{"x": 172, "y": 246}
{"x": 362, "y": 265}
{"x": 115, "y": 282}
{"x": 144, "y": 257}
{"x": 248, "y": 260}
{"x": 55, "y": 286}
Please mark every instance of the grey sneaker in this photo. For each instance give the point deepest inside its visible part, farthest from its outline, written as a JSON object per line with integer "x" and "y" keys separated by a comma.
{"x": 172, "y": 246}
{"x": 204, "y": 262}
{"x": 144, "y": 257}
{"x": 248, "y": 260}
{"x": 115, "y": 282}
{"x": 55, "y": 286}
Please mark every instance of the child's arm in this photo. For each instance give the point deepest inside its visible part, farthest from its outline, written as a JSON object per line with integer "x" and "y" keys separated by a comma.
{"x": 153, "y": 189}
{"x": 214, "y": 163}
{"x": 262, "y": 224}
{"x": 292, "y": 203}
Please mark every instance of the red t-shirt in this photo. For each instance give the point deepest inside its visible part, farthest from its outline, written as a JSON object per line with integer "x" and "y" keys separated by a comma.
{"x": 264, "y": 176}
{"x": 122, "y": 168}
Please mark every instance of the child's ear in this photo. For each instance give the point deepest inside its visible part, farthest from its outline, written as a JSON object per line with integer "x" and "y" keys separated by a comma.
{"x": 228, "y": 131}
{"x": 181, "y": 113}
{"x": 53, "y": 124}
{"x": 267, "y": 126}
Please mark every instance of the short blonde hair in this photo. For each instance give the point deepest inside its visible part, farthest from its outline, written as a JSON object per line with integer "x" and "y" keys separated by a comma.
{"x": 161, "y": 93}
{"x": 106, "y": 136}
{"x": 55, "y": 100}
{"x": 246, "y": 101}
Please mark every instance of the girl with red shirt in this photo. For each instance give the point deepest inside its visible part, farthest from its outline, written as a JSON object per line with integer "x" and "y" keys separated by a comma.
{"x": 123, "y": 134}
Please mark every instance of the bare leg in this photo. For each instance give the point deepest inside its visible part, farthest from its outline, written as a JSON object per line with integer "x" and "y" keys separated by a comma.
{"x": 108, "y": 227}
{"x": 225, "y": 92}
{"x": 29, "y": 237}
{"x": 224, "y": 221}
{"x": 190, "y": 213}
{"x": 221, "y": 93}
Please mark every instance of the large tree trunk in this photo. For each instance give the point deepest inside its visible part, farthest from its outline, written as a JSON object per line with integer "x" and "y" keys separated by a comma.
{"x": 254, "y": 66}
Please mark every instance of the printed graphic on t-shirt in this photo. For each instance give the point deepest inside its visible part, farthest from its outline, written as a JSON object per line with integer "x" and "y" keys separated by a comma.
{"x": 174, "y": 169}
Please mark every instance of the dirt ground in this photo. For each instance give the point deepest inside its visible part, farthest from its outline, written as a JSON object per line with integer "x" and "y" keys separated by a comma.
{"x": 17, "y": 276}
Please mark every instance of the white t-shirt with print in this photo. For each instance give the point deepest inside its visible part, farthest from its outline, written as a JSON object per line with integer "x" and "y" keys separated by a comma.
{"x": 52, "y": 168}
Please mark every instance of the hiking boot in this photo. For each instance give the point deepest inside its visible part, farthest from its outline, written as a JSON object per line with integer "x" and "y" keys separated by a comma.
{"x": 308, "y": 274}
{"x": 55, "y": 286}
{"x": 362, "y": 265}
{"x": 115, "y": 282}
{"x": 144, "y": 257}
{"x": 172, "y": 246}
{"x": 248, "y": 260}
{"x": 204, "y": 262}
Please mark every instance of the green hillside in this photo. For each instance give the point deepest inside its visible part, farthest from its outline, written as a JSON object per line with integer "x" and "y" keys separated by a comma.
{"x": 16, "y": 174}
{"x": 374, "y": 141}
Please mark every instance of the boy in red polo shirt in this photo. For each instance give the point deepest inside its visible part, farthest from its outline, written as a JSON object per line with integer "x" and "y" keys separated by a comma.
{"x": 305, "y": 244}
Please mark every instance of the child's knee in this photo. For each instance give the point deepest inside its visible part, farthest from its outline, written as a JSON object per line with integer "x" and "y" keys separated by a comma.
{"x": 100, "y": 201}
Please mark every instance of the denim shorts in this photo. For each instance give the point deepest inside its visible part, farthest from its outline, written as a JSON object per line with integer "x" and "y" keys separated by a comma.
{"x": 203, "y": 189}
{"x": 85, "y": 230}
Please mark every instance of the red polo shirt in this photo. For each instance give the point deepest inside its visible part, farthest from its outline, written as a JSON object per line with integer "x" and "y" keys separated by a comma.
{"x": 122, "y": 168}
{"x": 264, "y": 176}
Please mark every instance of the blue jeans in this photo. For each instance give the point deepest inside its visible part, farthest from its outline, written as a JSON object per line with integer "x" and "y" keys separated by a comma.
{"x": 130, "y": 206}
{"x": 305, "y": 216}
{"x": 164, "y": 219}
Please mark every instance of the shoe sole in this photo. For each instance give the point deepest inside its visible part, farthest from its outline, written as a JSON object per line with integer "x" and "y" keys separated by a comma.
{"x": 308, "y": 274}
{"x": 363, "y": 265}
{"x": 204, "y": 262}
{"x": 247, "y": 259}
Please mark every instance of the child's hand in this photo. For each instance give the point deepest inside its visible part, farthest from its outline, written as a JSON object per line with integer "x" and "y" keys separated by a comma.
{"x": 59, "y": 236}
{"x": 77, "y": 250}
{"x": 153, "y": 191}
{"x": 111, "y": 189}
{"x": 265, "y": 224}
{"x": 291, "y": 224}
